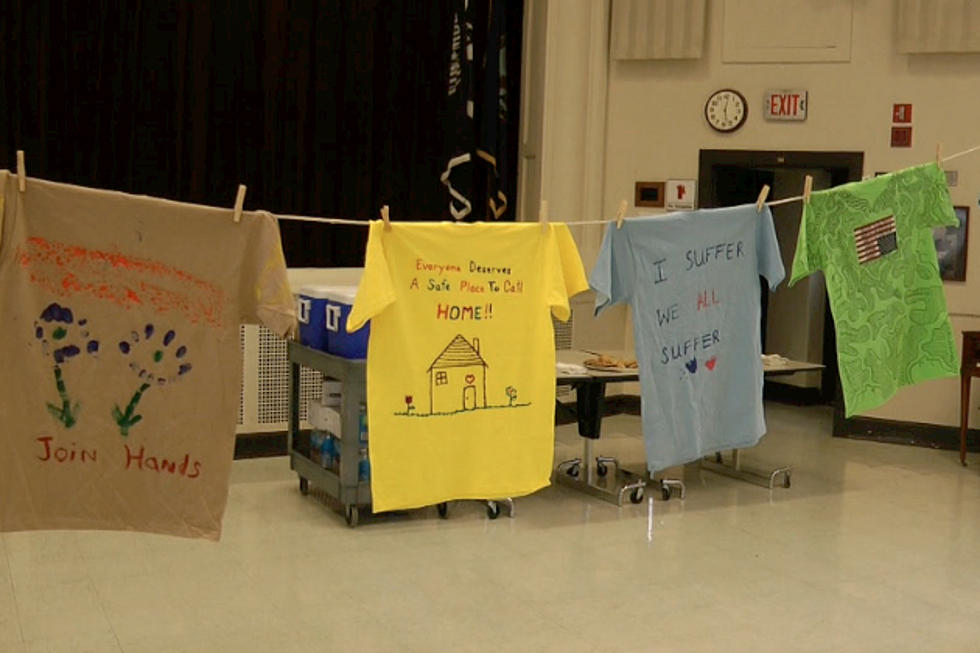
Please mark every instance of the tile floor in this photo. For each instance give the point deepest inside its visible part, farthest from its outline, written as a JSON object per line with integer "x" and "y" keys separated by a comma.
{"x": 874, "y": 548}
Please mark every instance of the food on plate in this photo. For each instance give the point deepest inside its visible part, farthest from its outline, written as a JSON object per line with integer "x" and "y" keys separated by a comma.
{"x": 604, "y": 362}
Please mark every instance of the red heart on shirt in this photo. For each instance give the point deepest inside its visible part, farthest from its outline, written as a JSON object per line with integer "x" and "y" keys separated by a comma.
{"x": 470, "y": 378}
{"x": 710, "y": 363}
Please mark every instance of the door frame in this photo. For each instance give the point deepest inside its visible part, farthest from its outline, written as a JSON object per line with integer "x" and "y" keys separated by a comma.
{"x": 850, "y": 165}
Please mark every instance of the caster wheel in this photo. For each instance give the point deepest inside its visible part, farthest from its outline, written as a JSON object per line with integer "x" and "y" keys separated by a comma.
{"x": 665, "y": 493}
{"x": 304, "y": 486}
{"x": 572, "y": 471}
{"x": 443, "y": 510}
{"x": 493, "y": 509}
{"x": 351, "y": 515}
{"x": 601, "y": 469}
{"x": 636, "y": 496}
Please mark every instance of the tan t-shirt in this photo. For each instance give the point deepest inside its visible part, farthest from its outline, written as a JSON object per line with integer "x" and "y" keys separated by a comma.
{"x": 121, "y": 361}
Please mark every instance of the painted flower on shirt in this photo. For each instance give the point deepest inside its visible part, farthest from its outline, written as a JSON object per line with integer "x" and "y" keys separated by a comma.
{"x": 63, "y": 338}
{"x": 156, "y": 361}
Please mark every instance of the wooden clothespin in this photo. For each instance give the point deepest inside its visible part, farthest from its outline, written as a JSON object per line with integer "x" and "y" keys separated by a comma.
{"x": 21, "y": 172}
{"x": 621, "y": 214}
{"x": 239, "y": 203}
{"x": 807, "y": 188}
{"x": 384, "y": 216}
{"x": 939, "y": 155}
{"x": 543, "y": 216}
{"x": 763, "y": 195}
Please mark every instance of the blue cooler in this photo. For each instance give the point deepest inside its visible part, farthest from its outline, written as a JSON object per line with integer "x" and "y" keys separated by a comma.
{"x": 339, "y": 342}
{"x": 311, "y": 310}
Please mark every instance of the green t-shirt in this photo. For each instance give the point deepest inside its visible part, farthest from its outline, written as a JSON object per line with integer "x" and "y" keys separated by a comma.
{"x": 873, "y": 241}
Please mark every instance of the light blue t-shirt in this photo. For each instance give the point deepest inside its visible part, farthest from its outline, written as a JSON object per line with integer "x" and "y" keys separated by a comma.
{"x": 692, "y": 282}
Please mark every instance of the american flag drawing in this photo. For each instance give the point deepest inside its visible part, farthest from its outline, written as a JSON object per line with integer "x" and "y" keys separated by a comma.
{"x": 876, "y": 239}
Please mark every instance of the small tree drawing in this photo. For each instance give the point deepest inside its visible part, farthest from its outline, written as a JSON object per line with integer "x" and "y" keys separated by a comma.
{"x": 511, "y": 394}
{"x": 58, "y": 332}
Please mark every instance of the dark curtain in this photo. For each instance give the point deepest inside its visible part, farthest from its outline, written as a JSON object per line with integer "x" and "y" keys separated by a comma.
{"x": 321, "y": 108}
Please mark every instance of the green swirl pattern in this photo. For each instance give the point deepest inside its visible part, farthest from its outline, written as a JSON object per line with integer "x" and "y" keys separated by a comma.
{"x": 892, "y": 325}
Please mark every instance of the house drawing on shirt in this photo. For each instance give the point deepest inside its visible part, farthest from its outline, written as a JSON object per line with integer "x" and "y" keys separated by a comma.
{"x": 458, "y": 378}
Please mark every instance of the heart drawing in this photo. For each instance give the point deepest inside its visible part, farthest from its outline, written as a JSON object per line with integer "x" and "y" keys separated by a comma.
{"x": 692, "y": 365}
{"x": 710, "y": 363}
{"x": 470, "y": 378}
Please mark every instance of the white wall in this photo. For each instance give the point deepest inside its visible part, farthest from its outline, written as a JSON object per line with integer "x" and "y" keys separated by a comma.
{"x": 654, "y": 129}
{"x": 563, "y": 137}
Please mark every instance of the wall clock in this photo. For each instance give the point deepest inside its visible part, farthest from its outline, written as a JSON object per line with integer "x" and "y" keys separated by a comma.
{"x": 726, "y": 110}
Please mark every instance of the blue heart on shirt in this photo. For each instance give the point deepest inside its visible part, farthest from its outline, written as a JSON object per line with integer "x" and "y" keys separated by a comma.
{"x": 692, "y": 365}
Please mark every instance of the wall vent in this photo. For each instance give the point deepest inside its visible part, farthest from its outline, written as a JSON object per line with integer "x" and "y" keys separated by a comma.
{"x": 265, "y": 383}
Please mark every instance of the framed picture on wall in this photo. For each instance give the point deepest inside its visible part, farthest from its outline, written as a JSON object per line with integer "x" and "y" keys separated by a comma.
{"x": 649, "y": 193}
{"x": 951, "y": 245}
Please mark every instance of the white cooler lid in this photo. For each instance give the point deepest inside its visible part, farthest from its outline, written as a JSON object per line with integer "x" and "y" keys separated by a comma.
{"x": 341, "y": 294}
{"x": 319, "y": 291}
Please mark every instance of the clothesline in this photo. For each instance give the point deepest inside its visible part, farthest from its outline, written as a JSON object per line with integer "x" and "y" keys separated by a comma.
{"x": 303, "y": 218}
{"x": 786, "y": 200}
{"x": 798, "y": 198}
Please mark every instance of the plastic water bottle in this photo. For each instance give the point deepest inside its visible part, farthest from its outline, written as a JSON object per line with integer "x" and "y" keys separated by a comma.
{"x": 316, "y": 441}
{"x": 326, "y": 451}
{"x": 337, "y": 444}
{"x": 363, "y": 466}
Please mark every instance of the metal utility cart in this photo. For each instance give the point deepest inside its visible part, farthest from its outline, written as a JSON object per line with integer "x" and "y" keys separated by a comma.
{"x": 342, "y": 484}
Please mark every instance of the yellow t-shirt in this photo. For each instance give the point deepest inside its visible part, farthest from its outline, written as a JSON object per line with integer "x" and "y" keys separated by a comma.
{"x": 461, "y": 358}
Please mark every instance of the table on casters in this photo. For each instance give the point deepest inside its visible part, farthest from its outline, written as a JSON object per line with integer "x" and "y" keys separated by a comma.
{"x": 590, "y": 473}
{"x": 734, "y": 468}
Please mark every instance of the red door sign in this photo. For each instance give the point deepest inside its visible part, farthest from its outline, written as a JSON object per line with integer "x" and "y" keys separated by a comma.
{"x": 901, "y": 113}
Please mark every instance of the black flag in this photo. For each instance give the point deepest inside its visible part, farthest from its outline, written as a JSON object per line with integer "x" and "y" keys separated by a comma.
{"x": 476, "y": 153}
{"x": 458, "y": 173}
{"x": 492, "y": 146}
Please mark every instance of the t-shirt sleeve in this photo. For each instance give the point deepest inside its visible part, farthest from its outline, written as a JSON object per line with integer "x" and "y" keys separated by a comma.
{"x": 376, "y": 291}
{"x": 265, "y": 294}
{"x": 807, "y": 258}
{"x": 767, "y": 250}
{"x": 556, "y": 293}
{"x": 612, "y": 277}
{"x": 572, "y": 271}
{"x": 563, "y": 270}
{"x": 3, "y": 194}
{"x": 937, "y": 209}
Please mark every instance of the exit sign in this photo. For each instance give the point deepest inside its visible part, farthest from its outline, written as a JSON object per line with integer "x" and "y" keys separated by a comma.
{"x": 786, "y": 104}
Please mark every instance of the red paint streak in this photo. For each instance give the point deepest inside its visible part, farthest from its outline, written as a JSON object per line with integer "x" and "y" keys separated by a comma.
{"x": 70, "y": 283}
{"x": 71, "y": 270}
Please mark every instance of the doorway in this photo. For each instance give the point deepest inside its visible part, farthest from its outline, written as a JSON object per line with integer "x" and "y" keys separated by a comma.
{"x": 796, "y": 322}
